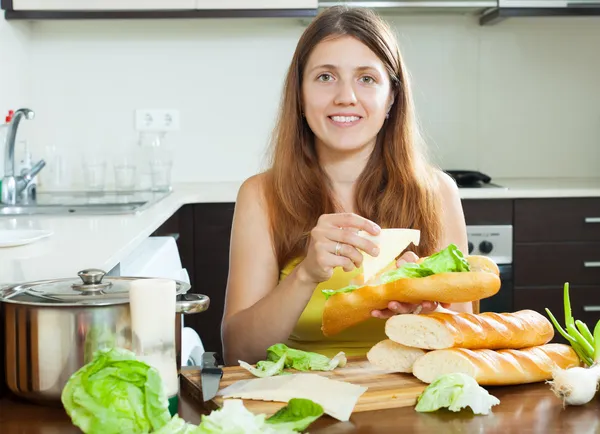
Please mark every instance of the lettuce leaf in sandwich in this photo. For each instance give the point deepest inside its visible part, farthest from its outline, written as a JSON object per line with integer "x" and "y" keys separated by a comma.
{"x": 448, "y": 260}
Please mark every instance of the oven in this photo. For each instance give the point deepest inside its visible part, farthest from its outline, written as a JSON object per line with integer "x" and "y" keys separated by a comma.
{"x": 495, "y": 242}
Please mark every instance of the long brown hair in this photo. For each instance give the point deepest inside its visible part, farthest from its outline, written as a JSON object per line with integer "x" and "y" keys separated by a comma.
{"x": 396, "y": 188}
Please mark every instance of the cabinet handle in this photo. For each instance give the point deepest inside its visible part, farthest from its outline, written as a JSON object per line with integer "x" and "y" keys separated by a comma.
{"x": 592, "y": 219}
{"x": 591, "y": 264}
{"x": 591, "y": 308}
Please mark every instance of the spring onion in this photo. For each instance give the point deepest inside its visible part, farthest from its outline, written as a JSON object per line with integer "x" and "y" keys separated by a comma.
{"x": 577, "y": 385}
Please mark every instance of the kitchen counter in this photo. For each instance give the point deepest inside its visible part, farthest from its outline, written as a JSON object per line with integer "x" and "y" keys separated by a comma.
{"x": 522, "y": 409}
{"x": 102, "y": 241}
{"x": 519, "y": 188}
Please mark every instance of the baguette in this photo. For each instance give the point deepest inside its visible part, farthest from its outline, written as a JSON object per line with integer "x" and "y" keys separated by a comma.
{"x": 344, "y": 310}
{"x": 497, "y": 368}
{"x": 489, "y": 330}
{"x": 394, "y": 357}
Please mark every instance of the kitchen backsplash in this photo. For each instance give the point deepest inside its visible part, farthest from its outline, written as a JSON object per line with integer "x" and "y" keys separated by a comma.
{"x": 520, "y": 99}
{"x": 15, "y": 42}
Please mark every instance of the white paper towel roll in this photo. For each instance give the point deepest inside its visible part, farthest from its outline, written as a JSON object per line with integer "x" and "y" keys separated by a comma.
{"x": 153, "y": 308}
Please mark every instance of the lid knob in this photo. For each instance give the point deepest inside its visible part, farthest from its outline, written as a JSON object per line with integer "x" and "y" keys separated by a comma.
{"x": 92, "y": 280}
{"x": 91, "y": 276}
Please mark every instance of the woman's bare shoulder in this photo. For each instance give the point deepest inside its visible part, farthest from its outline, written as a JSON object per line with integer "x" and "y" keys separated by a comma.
{"x": 253, "y": 187}
{"x": 446, "y": 184}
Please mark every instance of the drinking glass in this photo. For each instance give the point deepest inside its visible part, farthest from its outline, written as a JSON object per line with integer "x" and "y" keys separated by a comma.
{"x": 94, "y": 174}
{"x": 125, "y": 174}
{"x": 160, "y": 174}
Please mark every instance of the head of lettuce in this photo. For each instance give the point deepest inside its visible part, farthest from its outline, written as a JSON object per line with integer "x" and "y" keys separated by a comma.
{"x": 115, "y": 393}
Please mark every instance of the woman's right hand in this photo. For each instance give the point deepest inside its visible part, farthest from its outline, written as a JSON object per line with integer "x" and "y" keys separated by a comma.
{"x": 334, "y": 242}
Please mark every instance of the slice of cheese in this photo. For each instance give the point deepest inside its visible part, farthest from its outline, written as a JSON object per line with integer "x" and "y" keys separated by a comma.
{"x": 391, "y": 243}
{"x": 337, "y": 398}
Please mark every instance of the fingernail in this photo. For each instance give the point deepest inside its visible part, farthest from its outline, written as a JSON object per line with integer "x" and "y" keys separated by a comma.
{"x": 376, "y": 228}
{"x": 375, "y": 251}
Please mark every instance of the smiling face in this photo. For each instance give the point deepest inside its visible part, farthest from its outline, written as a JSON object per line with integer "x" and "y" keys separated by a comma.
{"x": 346, "y": 94}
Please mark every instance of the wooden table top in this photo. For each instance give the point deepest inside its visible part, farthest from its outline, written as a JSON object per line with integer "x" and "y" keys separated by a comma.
{"x": 522, "y": 409}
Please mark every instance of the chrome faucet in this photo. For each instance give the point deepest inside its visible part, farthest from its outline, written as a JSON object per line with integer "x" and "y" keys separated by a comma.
{"x": 15, "y": 186}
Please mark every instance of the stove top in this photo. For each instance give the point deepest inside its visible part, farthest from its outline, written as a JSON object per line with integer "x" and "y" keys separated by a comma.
{"x": 472, "y": 179}
{"x": 481, "y": 185}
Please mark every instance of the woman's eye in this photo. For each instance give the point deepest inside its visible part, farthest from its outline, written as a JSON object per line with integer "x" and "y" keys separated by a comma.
{"x": 325, "y": 77}
{"x": 368, "y": 80}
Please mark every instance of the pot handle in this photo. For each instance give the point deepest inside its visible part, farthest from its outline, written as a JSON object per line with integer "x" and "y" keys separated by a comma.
{"x": 192, "y": 303}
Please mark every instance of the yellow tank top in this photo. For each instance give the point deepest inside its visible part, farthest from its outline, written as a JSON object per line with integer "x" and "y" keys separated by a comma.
{"x": 307, "y": 335}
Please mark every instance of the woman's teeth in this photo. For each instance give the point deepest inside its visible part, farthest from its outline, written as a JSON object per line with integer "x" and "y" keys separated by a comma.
{"x": 344, "y": 119}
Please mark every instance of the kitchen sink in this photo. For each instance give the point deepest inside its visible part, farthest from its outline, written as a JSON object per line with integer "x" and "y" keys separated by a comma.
{"x": 86, "y": 203}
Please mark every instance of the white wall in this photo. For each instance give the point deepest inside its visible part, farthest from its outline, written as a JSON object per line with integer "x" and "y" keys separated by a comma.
{"x": 485, "y": 95}
{"x": 14, "y": 66}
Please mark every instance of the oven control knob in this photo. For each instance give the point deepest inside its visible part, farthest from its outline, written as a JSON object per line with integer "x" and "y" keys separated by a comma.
{"x": 470, "y": 247}
{"x": 486, "y": 247}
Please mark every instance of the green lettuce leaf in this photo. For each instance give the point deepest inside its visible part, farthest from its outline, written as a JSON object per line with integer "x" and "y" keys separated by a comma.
{"x": 266, "y": 368}
{"x": 409, "y": 270}
{"x": 456, "y": 391}
{"x": 305, "y": 360}
{"x": 448, "y": 260}
{"x": 234, "y": 418}
{"x": 280, "y": 357}
{"x": 116, "y": 393}
{"x": 298, "y": 414}
{"x": 177, "y": 426}
{"x": 329, "y": 292}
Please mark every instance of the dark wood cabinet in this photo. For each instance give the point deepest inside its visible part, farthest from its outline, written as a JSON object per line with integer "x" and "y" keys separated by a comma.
{"x": 557, "y": 219}
{"x": 488, "y": 211}
{"x": 557, "y": 240}
{"x": 552, "y": 264}
{"x": 585, "y": 303}
{"x": 212, "y": 233}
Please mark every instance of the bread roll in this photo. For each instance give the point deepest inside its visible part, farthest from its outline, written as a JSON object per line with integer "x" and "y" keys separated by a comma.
{"x": 489, "y": 330}
{"x": 497, "y": 368}
{"x": 346, "y": 309}
{"x": 394, "y": 357}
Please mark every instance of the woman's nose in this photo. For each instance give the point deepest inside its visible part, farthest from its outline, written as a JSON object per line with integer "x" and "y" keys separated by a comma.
{"x": 345, "y": 94}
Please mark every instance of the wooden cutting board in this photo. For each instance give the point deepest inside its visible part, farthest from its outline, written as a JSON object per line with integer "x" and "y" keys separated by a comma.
{"x": 385, "y": 389}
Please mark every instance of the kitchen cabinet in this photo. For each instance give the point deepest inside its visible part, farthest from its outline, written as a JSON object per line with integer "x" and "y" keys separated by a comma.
{"x": 71, "y": 5}
{"x": 256, "y": 4}
{"x": 557, "y": 240}
{"x": 155, "y": 9}
{"x": 488, "y": 211}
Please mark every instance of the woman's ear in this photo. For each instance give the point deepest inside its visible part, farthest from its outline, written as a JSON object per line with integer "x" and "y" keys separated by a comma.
{"x": 391, "y": 103}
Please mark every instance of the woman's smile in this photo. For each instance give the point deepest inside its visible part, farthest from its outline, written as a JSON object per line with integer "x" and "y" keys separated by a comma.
{"x": 344, "y": 120}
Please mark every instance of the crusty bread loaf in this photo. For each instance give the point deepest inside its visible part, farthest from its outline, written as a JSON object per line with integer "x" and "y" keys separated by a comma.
{"x": 488, "y": 330}
{"x": 394, "y": 357}
{"x": 497, "y": 367}
{"x": 346, "y": 309}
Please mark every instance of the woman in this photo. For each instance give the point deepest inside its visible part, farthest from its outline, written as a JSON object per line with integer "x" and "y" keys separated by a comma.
{"x": 346, "y": 155}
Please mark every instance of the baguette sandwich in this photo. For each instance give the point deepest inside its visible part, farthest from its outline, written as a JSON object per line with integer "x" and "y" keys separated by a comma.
{"x": 488, "y": 330}
{"x": 497, "y": 367}
{"x": 446, "y": 276}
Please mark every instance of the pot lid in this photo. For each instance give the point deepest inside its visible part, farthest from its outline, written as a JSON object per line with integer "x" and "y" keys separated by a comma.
{"x": 92, "y": 288}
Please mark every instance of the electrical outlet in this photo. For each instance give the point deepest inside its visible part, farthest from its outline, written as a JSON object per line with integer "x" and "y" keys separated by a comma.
{"x": 156, "y": 120}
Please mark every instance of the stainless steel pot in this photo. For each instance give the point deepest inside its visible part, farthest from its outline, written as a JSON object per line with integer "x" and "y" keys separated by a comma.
{"x": 53, "y": 327}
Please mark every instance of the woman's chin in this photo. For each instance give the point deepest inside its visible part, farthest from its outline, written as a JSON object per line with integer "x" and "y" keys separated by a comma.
{"x": 348, "y": 147}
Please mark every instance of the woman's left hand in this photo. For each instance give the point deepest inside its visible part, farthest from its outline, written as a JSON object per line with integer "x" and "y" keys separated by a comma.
{"x": 395, "y": 307}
